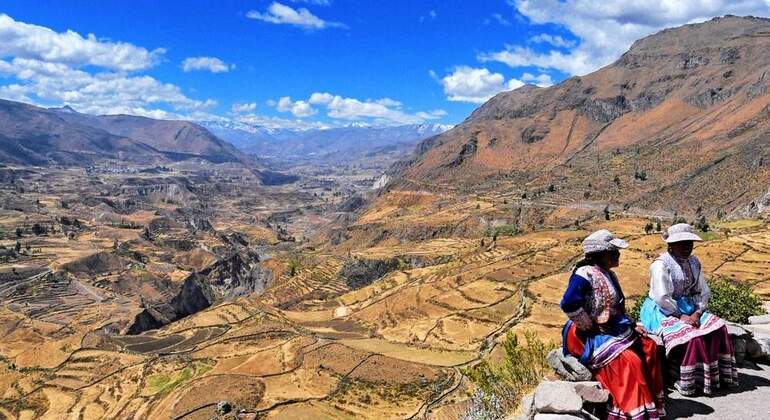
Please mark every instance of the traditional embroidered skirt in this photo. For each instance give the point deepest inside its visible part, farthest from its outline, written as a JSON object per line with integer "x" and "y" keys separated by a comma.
{"x": 708, "y": 356}
{"x": 633, "y": 377}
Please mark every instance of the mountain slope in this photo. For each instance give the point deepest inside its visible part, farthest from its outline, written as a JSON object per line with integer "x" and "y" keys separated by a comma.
{"x": 37, "y": 136}
{"x": 165, "y": 135}
{"x": 680, "y": 121}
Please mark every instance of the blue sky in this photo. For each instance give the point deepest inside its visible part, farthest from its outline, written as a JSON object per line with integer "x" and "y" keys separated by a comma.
{"x": 306, "y": 63}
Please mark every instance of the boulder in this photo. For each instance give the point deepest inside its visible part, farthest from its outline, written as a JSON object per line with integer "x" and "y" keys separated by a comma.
{"x": 558, "y": 397}
{"x": 739, "y": 348}
{"x": 224, "y": 407}
{"x": 592, "y": 392}
{"x": 759, "y": 319}
{"x": 527, "y": 407}
{"x": 568, "y": 367}
{"x": 736, "y": 330}
{"x": 764, "y": 345}
{"x": 753, "y": 350}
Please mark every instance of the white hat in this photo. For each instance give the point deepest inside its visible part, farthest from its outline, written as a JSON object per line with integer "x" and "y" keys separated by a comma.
{"x": 602, "y": 240}
{"x": 680, "y": 232}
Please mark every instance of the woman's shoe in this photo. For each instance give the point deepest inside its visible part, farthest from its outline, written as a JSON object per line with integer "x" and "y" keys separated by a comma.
{"x": 682, "y": 391}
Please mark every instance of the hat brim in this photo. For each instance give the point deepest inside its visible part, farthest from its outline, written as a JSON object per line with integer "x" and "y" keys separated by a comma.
{"x": 619, "y": 243}
{"x": 682, "y": 237}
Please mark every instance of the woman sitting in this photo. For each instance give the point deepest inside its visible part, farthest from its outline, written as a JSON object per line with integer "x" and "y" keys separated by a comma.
{"x": 603, "y": 336}
{"x": 676, "y": 311}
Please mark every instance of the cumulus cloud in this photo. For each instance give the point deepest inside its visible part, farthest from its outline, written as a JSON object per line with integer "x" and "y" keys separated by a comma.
{"x": 383, "y": 111}
{"x": 314, "y": 2}
{"x": 282, "y": 14}
{"x": 555, "y": 40}
{"x": 607, "y": 28}
{"x": 241, "y": 107}
{"x": 211, "y": 64}
{"x": 299, "y": 109}
{"x": 100, "y": 93}
{"x": 90, "y": 74}
{"x": 19, "y": 39}
{"x": 542, "y": 79}
{"x": 475, "y": 85}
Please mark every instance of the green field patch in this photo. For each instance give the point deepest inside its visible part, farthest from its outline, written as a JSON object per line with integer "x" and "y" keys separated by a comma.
{"x": 163, "y": 383}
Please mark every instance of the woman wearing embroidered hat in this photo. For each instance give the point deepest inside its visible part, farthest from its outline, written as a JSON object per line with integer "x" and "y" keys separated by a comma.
{"x": 676, "y": 311}
{"x": 603, "y": 336}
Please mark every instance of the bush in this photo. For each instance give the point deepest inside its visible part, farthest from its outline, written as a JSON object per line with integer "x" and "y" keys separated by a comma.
{"x": 732, "y": 301}
{"x": 503, "y": 385}
{"x": 637, "y": 308}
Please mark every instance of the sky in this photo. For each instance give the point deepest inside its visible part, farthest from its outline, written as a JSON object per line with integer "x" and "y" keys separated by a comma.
{"x": 316, "y": 63}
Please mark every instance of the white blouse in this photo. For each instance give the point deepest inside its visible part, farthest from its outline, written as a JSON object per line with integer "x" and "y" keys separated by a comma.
{"x": 664, "y": 292}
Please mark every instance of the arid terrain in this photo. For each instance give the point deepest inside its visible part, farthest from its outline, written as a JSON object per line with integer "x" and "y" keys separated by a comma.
{"x": 159, "y": 289}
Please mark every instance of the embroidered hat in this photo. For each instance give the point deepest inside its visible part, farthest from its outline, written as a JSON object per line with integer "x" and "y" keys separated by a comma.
{"x": 680, "y": 232}
{"x": 602, "y": 240}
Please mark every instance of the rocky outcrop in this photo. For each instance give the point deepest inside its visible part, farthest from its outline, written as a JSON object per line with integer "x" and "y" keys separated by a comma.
{"x": 237, "y": 274}
{"x": 568, "y": 367}
{"x": 359, "y": 272}
{"x": 565, "y": 400}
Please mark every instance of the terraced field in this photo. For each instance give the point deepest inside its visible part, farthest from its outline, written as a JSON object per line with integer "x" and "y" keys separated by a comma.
{"x": 375, "y": 322}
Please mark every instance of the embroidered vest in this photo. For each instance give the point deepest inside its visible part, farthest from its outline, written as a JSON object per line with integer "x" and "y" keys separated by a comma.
{"x": 607, "y": 300}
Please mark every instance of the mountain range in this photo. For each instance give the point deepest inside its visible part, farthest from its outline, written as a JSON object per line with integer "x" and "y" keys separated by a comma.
{"x": 38, "y": 136}
{"x": 337, "y": 144}
{"x": 679, "y": 122}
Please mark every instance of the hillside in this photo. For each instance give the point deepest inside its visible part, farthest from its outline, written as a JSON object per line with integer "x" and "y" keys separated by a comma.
{"x": 679, "y": 122}
{"x": 181, "y": 137}
{"x": 36, "y": 136}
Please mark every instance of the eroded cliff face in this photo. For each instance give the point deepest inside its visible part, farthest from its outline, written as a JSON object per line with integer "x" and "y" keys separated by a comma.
{"x": 687, "y": 107}
{"x": 238, "y": 274}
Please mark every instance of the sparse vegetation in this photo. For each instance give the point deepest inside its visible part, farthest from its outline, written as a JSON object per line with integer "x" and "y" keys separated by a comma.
{"x": 502, "y": 230}
{"x": 162, "y": 383}
{"x": 523, "y": 366}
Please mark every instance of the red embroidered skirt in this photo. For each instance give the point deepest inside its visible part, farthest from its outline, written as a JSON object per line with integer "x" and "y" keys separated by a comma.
{"x": 634, "y": 379}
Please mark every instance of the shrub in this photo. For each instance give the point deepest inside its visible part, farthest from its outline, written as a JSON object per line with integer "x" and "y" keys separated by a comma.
{"x": 636, "y": 310}
{"x": 502, "y": 385}
{"x": 732, "y": 301}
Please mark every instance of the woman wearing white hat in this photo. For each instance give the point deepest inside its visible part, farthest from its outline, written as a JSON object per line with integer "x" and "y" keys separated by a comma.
{"x": 603, "y": 336}
{"x": 676, "y": 311}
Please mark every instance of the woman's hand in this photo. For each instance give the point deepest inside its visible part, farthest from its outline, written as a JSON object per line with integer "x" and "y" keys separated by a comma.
{"x": 693, "y": 319}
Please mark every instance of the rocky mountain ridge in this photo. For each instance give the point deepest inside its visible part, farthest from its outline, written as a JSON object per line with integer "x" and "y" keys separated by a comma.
{"x": 32, "y": 135}
{"x": 679, "y": 122}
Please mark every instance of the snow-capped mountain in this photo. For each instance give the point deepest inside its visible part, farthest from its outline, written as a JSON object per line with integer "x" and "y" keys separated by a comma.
{"x": 345, "y": 143}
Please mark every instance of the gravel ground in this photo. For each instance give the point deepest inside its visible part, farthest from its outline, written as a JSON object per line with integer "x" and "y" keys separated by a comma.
{"x": 751, "y": 400}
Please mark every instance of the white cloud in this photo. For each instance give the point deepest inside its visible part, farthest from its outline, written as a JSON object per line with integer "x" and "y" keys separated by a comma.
{"x": 211, "y": 64}
{"x": 383, "y": 111}
{"x": 542, "y": 79}
{"x": 100, "y": 93}
{"x": 555, "y": 40}
{"x": 241, "y": 107}
{"x": 90, "y": 74}
{"x": 497, "y": 17}
{"x": 607, "y": 28}
{"x": 282, "y": 14}
{"x": 22, "y": 40}
{"x": 475, "y": 85}
{"x": 299, "y": 109}
{"x": 314, "y": 2}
